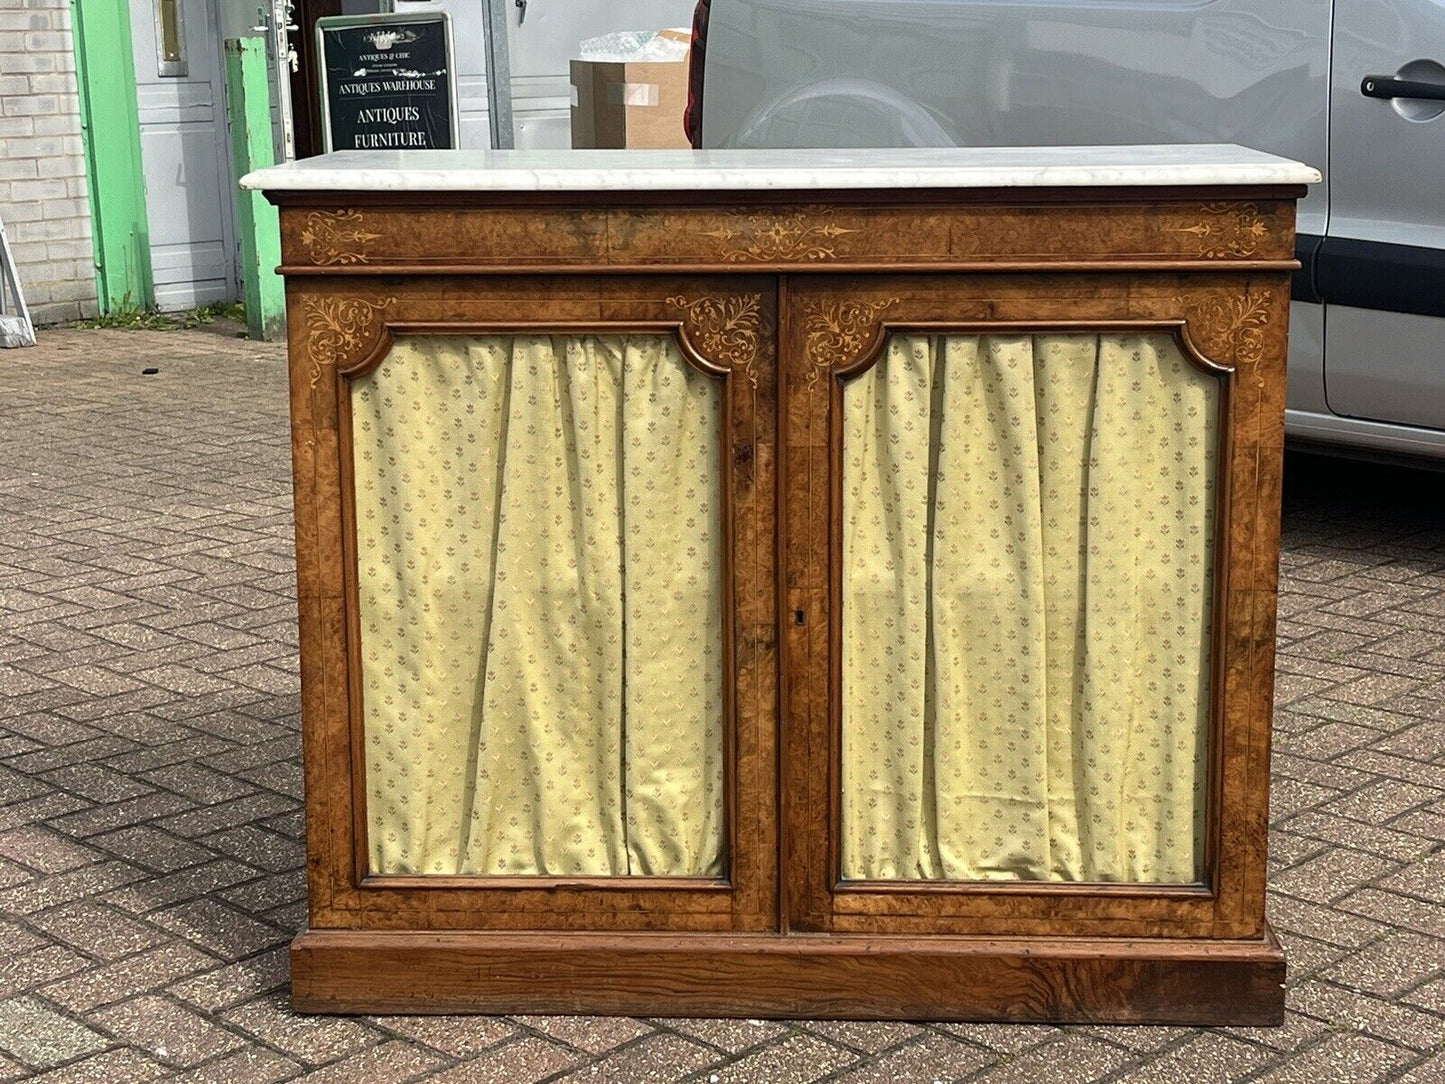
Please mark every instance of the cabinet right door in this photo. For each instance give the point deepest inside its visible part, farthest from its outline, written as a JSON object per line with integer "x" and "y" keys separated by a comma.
{"x": 1029, "y": 531}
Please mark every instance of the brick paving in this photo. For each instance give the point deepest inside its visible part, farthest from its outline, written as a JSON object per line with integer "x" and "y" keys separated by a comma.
{"x": 151, "y": 830}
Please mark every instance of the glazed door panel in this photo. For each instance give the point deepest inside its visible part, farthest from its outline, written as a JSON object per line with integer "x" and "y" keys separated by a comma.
{"x": 1021, "y": 679}
{"x": 554, "y": 622}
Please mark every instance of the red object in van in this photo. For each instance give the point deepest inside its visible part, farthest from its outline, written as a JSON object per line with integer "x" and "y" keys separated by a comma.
{"x": 696, "y": 61}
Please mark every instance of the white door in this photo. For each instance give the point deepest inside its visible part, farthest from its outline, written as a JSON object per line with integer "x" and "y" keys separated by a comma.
{"x": 542, "y": 39}
{"x": 185, "y": 151}
{"x": 1381, "y": 269}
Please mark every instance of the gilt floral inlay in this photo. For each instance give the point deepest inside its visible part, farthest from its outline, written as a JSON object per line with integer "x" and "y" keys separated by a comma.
{"x": 1228, "y": 229}
{"x": 725, "y": 329}
{"x": 336, "y": 327}
{"x": 838, "y": 331}
{"x": 809, "y": 233}
{"x": 336, "y": 237}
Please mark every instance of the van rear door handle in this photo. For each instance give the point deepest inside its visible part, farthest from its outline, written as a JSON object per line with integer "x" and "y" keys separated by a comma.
{"x": 1388, "y": 86}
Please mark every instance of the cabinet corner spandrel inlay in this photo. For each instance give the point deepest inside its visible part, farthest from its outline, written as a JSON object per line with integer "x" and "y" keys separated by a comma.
{"x": 724, "y": 330}
{"x": 1231, "y": 328}
{"x": 838, "y": 332}
{"x": 337, "y": 328}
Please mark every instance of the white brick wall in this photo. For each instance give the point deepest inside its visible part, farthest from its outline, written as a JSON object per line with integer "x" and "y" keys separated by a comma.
{"x": 42, "y": 161}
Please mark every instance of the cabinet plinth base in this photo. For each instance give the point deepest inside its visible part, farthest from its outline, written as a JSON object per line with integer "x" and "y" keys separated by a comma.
{"x": 798, "y": 975}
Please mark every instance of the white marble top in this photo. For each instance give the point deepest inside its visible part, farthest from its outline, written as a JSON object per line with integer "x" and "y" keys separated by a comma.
{"x": 648, "y": 170}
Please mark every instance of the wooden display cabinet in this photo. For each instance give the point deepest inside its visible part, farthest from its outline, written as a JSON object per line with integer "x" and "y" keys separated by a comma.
{"x": 778, "y": 295}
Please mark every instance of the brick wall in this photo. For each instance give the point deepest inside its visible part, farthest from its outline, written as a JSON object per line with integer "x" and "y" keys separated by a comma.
{"x": 42, "y": 161}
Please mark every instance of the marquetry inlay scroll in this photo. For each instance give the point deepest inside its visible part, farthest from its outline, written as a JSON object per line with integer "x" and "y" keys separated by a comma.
{"x": 724, "y": 330}
{"x": 838, "y": 332}
{"x": 809, "y": 233}
{"x": 1227, "y": 229}
{"x": 338, "y": 329}
{"x": 336, "y": 237}
{"x": 1231, "y": 328}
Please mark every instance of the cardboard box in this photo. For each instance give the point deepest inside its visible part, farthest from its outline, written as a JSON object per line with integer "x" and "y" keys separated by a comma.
{"x": 617, "y": 104}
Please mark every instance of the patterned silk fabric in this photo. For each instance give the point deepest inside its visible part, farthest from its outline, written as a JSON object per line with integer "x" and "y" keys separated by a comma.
{"x": 539, "y": 527}
{"x": 1028, "y": 546}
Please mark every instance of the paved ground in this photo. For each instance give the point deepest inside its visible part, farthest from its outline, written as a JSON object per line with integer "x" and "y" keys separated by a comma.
{"x": 150, "y": 823}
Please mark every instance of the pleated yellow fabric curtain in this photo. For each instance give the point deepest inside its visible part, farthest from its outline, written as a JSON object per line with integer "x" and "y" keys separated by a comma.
{"x": 1028, "y": 532}
{"x": 539, "y": 523}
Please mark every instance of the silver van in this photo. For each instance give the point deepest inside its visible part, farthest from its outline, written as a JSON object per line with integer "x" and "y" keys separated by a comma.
{"x": 1355, "y": 87}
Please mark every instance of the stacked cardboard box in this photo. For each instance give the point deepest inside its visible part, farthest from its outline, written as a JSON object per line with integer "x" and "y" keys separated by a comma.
{"x": 632, "y": 103}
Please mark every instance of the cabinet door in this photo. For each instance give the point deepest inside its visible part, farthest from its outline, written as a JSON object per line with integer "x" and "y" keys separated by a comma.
{"x": 1029, "y": 531}
{"x": 536, "y": 534}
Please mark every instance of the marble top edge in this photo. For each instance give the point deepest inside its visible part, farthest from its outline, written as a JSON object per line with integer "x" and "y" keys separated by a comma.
{"x": 742, "y": 170}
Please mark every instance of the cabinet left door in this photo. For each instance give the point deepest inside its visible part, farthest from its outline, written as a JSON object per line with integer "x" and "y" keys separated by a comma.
{"x": 536, "y": 556}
